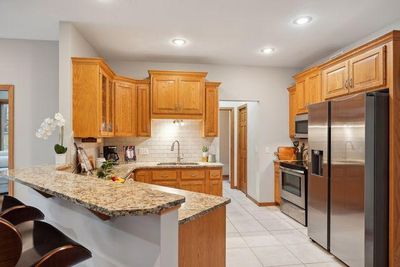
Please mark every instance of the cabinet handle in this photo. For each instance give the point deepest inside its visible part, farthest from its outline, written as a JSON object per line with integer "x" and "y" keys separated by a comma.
{"x": 346, "y": 84}
{"x": 194, "y": 175}
{"x": 351, "y": 83}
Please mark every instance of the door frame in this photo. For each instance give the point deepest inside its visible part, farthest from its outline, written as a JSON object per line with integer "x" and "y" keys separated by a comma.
{"x": 231, "y": 111}
{"x": 238, "y": 150}
{"x": 10, "y": 90}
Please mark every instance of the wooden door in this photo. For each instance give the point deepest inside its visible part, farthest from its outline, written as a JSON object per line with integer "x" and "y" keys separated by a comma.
{"x": 125, "y": 109}
{"x": 191, "y": 96}
{"x": 301, "y": 96}
{"x": 165, "y": 94}
{"x": 367, "y": 70}
{"x": 215, "y": 182}
{"x": 242, "y": 149}
{"x": 292, "y": 110}
{"x": 210, "y": 123}
{"x": 314, "y": 89}
{"x": 335, "y": 80}
{"x": 143, "y": 110}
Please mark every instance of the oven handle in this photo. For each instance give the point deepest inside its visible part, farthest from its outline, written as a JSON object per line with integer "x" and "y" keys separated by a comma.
{"x": 292, "y": 171}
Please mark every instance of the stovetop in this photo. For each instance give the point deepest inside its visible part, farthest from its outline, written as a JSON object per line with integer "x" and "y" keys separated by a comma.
{"x": 295, "y": 164}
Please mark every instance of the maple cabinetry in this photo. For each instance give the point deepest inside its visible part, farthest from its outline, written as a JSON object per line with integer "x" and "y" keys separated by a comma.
{"x": 144, "y": 114}
{"x": 210, "y": 122}
{"x": 361, "y": 72}
{"x": 177, "y": 94}
{"x": 292, "y": 110}
{"x": 308, "y": 89}
{"x": 201, "y": 180}
{"x": 93, "y": 98}
{"x": 125, "y": 108}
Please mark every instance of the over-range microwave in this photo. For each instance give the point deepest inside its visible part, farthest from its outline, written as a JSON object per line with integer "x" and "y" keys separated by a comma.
{"x": 301, "y": 126}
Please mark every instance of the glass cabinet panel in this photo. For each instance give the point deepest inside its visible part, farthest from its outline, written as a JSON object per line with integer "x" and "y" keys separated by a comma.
{"x": 103, "y": 103}
{"x": 110, "y": 106}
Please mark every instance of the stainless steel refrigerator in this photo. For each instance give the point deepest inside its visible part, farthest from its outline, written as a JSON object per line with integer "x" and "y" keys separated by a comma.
{"x": 348, "y": 178}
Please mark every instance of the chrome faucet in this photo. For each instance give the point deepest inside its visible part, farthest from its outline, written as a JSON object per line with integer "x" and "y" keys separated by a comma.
{"x": 178, "y": 158}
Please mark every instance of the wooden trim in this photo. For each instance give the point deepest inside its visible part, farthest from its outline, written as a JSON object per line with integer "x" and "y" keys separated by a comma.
{"x": 261, "y": 204}
{"x": 100, "y": 215}
{"x": 232, "y": 144}
{"x": 177, "y": 116}
{"x": 171, "y": 72}
{"x": 93, "y": 60}
{"x": 225, "y": 177}
{"x": 10, "y": 89}
{"x": 216, "y": 84}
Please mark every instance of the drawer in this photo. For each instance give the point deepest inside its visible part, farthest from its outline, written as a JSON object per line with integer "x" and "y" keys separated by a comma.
{"x": 164, "y": 175}
{"x": 215, "y": 174}
{"x": 193, "y": 174}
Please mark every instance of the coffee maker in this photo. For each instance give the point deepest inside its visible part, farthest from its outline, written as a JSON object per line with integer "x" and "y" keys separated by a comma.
{"x": 111, "y": 154}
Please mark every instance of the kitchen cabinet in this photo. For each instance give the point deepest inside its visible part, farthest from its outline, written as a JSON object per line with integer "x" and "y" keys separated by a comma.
{"x": 144, "y": 114}
{"x": 277, "y": 187}
{"x": 313, "y": 84}
{"x": 125, "y": 108}
{"x": 301, "y": 96}
{"x": 359, "y": 73}
{"x": 292, "y": 110}
{"x": 201, "y": 180}
{"x": 177, "y": 94}
{"x": 210, "y": 122}
{"x": 92, "y": 98}
{"x": 308, "y": 89}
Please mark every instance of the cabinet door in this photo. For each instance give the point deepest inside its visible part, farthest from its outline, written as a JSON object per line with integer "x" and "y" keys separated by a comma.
{"x": 210, "y": 123}
{"x": 190, "y": 96}
{"x": 335, "y": 80}
{"x": 143, "y": 176}
{"x": 143, "y": 109}
{"x": 292, "y": 110}
{"x": 314, "y": 89}
{"x": 165, "y": 94}
{"x": 367, "y": 71}
{"x": 216, "y": 187}
{"x": 277, "y": 183}
{"x": 194, "y": 185}
{"x": 106, "y": 105}
{"x": 164, "y": 175}
{"x": 193, "y": 175}
{"x": 300, "y": 95}
{"x": 125, "y": 109}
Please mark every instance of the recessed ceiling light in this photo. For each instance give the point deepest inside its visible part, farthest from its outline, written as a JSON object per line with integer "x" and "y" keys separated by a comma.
{"x": 302, "y": 20}
{"x": 268, "y": 50}
{"x": 179, "y": 42}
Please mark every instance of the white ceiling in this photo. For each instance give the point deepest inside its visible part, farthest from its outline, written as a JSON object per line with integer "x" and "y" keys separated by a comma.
{"x": 219, "y": 31}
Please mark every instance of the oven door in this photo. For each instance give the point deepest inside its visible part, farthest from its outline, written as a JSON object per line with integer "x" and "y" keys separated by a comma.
{"x": 292, "y": 185}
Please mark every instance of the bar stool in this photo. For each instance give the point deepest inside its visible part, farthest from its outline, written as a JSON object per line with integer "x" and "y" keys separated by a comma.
{"x": 38, "y": 244}
{"x": 16, "y": 212}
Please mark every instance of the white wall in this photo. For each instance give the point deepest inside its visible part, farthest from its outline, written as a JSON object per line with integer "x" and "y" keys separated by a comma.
{"x": 32, "y": 67}
{"x": 268, "y": 85}
{"x": 71, "y": 44}
{"x": 224, "y": 140}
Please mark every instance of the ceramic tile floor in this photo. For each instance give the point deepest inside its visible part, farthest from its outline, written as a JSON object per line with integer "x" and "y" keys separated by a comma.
{"x": 263, "y": 236}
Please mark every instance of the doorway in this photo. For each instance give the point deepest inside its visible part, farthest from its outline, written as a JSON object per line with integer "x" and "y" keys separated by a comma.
{"x": 242, "y": 148}
{"x": 227, "y": 143}
{"x": 6, "y": 136}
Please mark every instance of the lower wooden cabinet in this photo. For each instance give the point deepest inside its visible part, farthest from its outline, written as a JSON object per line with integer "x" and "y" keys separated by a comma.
{"x": 277, "y": 179}
{"x": 201, "y": 180}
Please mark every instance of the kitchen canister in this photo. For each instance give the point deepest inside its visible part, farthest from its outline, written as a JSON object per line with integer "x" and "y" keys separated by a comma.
{"x": 212, "y": 158}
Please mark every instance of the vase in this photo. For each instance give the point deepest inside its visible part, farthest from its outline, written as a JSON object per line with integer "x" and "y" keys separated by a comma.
{"x": 204, "y": 157}
{"x": 61, "y": 159}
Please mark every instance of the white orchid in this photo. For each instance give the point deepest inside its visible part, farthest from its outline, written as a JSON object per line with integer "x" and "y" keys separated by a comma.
{"x": 47, "y": 128}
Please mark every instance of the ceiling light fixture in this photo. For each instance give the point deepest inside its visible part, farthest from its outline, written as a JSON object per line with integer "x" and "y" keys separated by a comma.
{"x": 179, "y": 42}
{"x": 302, "y": 20}
{"x": 268, "y": 50}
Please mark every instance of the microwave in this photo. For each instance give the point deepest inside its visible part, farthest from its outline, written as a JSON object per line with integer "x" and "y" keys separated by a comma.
{"x": 301, "y": 126}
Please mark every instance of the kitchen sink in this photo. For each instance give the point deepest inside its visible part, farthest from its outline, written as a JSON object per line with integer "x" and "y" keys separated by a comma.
{"x": 176, "y": 164}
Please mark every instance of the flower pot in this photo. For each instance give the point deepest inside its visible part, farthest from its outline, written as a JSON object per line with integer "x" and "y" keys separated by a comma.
{"x": 61, "y": 159}
{"x": 205, "y": 154}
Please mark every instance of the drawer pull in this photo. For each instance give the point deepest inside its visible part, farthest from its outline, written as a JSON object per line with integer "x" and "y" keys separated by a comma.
{"x": 194, "y": 175}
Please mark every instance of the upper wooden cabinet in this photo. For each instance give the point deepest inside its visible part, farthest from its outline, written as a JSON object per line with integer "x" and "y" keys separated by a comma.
{"x": 92, "y": 98}
{"x": 125, "y": 108}
{"x": 177, "y": 94}
{"x": 292, "y": 109}
{"x": 308, "y": 89}
{"x": 210, "y": 123}
{"x": 143, "y": 103}
{"x": 361, "y": 72}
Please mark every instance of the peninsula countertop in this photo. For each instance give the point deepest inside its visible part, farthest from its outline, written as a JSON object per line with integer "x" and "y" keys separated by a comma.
{"x": 115, "y": 199}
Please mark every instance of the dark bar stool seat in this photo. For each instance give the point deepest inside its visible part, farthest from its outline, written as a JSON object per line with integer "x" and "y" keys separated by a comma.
{"x": 17, "y": 212}
{"x": 36, "y": 243}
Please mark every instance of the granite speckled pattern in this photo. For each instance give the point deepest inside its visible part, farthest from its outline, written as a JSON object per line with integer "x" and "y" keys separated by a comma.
{"x": 115, "y": 199}
{"x": 124, "y": 169}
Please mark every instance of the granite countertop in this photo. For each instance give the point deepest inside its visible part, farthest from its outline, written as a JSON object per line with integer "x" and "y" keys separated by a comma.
{"x": 116, "y": 199}
{"x": 125, "y": 169}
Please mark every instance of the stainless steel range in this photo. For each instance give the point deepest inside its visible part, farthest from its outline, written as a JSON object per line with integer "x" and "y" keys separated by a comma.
{"x": 293, "y": 186}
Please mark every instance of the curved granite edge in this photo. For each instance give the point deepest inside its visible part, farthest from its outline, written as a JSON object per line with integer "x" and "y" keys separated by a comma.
{"x": 125, "y": 169}
{"x": 106, "y": 197}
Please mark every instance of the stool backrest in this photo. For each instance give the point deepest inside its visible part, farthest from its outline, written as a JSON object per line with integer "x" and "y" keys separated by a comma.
{"x": 10, "y": 244}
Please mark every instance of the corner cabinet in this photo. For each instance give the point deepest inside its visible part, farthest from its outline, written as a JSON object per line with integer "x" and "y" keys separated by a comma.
{"x": 210, "y": 122}
{"x": 93, "y": 98}
{"x": 144, "y": 113}
{"x": 125, "y": 108}
{"x": 177, "y": 94}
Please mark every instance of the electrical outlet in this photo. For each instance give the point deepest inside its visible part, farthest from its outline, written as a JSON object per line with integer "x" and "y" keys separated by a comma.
{"x": 143, "y": 151}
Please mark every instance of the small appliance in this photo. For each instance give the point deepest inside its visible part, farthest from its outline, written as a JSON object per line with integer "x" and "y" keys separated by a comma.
{"x": 301, "y": 126}
{"x": 111, "y": 153}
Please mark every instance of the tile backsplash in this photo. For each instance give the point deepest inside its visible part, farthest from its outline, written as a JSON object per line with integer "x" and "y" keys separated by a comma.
{"x": 163, "y": 133}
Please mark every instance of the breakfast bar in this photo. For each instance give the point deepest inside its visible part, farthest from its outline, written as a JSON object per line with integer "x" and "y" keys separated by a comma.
{"x": 127, "y": 224}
